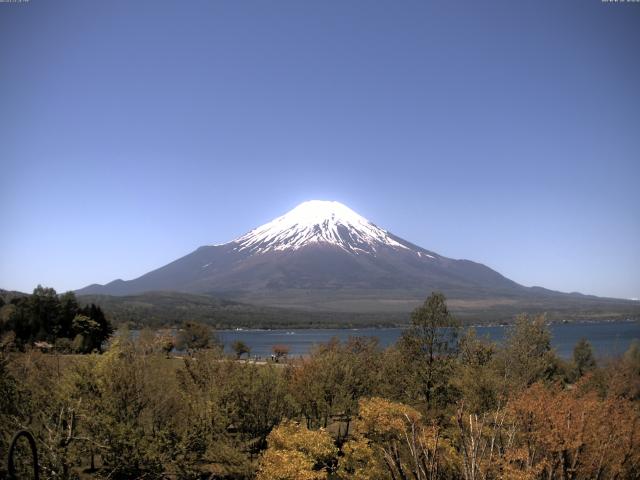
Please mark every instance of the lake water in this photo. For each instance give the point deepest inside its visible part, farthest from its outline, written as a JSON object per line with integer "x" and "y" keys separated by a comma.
{"x": 607, "y": 338}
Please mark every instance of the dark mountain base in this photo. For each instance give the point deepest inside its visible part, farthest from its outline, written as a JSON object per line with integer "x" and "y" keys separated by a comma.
{"x": 342, "y": 309}
{"x": 160, "y": 309}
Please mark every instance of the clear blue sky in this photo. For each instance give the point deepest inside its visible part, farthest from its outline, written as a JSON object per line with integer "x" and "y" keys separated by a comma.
{"x": 132, "y": 132}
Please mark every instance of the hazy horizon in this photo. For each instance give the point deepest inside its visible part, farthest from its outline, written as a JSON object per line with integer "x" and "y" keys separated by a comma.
{"x": 132, "y": 133}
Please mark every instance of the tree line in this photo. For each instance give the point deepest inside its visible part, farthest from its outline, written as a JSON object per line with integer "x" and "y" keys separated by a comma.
{"x": 54, "y": 320}
{"x": 440, "y": 404}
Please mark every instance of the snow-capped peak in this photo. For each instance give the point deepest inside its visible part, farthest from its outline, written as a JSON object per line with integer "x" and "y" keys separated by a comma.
{"x": 318, "y": 221}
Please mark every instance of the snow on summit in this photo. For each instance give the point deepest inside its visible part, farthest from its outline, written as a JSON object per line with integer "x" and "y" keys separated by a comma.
{"x": 317, "y": 222}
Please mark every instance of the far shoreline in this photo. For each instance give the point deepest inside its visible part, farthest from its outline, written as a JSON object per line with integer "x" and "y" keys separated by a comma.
{"x": 405, "y": 325}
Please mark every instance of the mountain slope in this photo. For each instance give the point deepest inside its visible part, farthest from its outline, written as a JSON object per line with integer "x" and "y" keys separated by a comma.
{"x": 324, "y": 256}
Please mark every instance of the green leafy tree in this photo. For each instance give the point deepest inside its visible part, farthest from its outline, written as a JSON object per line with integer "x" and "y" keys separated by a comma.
{"x": 475, "y": 377}
{"x": 232, "y": 407}
{"x": 328, "y": 383}
{"x": 68, "y": 310}
{"x": 526, "y": 356}
{"x": 87, "y": 334}
{"x": 583, "y": 358}
{"x": 131, "y": 410}
{"x": 429, "y": 346}
{"x": 9, "y": 389}
{"x": 16, "y": 316}
{"x": 105, "y": 328}
{"x": 195, "y": 336}
{"x": 7, "y": 313}
{"x": 44, "y": 314}
{"x": 240, "y": 348}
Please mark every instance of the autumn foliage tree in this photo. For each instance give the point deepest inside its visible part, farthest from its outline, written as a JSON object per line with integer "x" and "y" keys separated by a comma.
{"x": 392, "y": 440}
{"x": 567, "y": 436}
{"x": 297, "y": 453}
{"x": 280, "y": 351}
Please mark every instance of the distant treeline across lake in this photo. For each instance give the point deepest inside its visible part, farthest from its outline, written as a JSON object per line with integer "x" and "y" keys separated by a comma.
{"x": 607, "y": 338}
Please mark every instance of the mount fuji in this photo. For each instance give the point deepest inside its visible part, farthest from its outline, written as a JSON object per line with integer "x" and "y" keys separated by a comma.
{"x": 324, "y": 256}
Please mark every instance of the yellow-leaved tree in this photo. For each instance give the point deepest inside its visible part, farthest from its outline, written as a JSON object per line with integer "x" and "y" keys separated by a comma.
{"x": 392, "y": 440}
{"x": 296, "y": 453}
